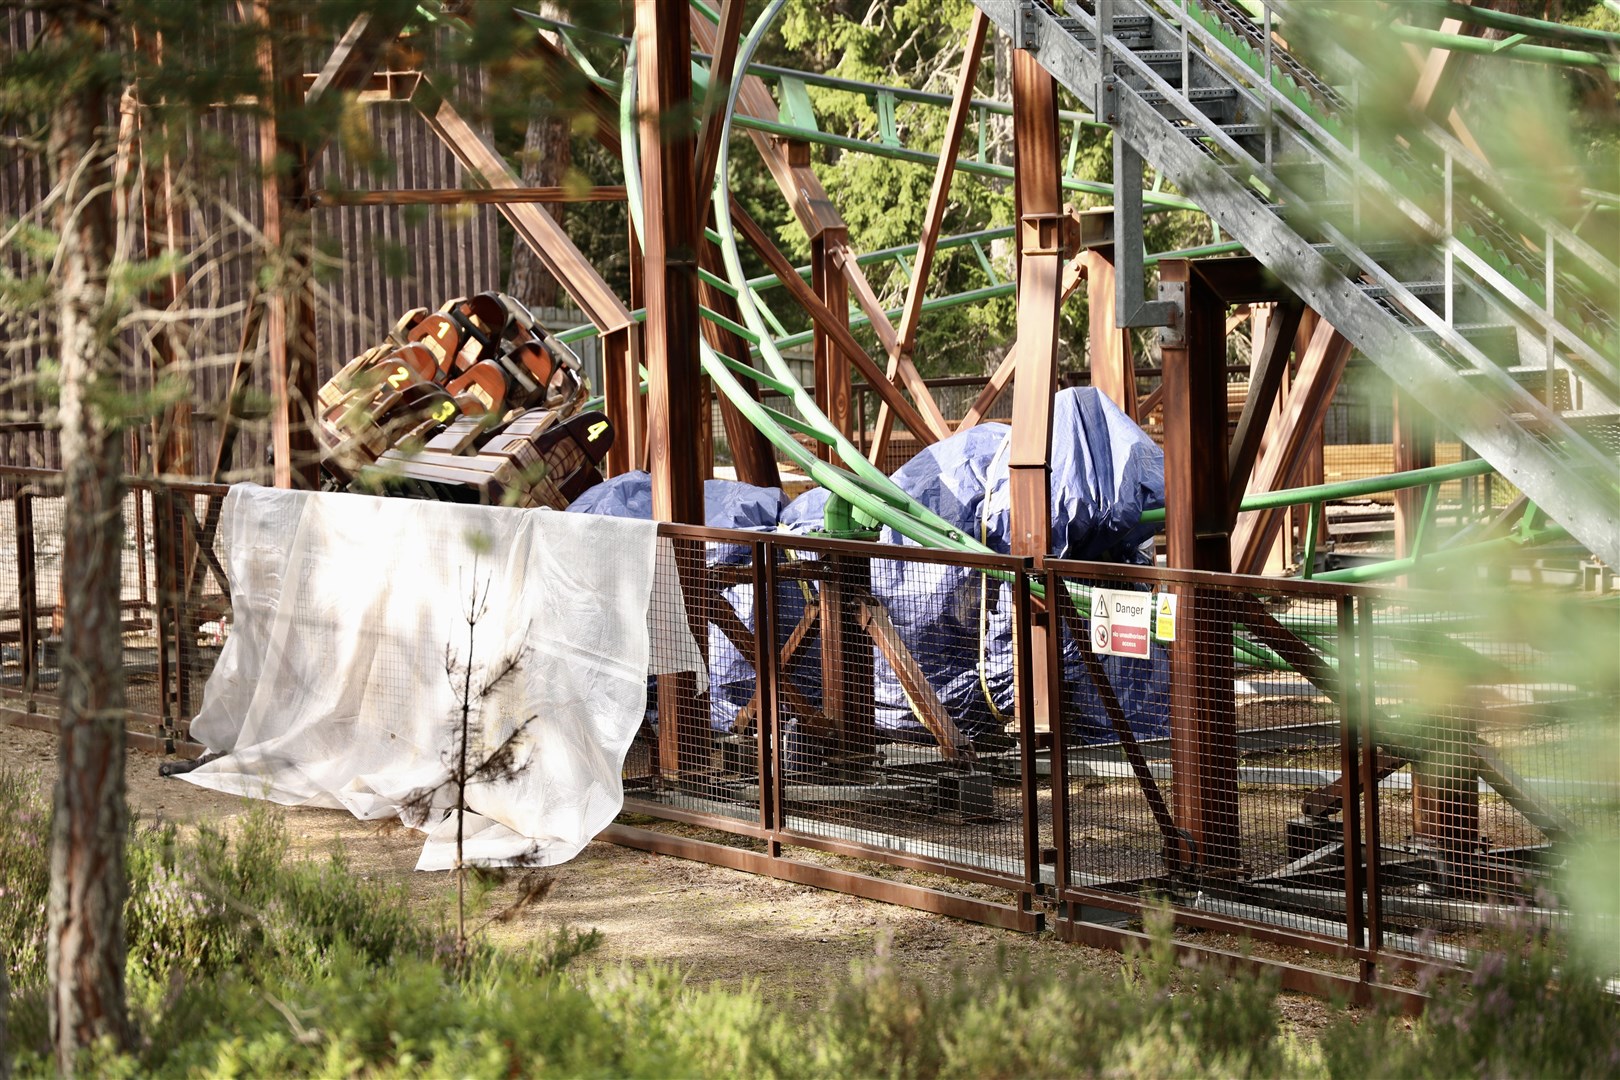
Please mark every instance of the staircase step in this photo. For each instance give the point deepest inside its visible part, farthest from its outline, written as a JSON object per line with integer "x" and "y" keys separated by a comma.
{"x": 1534, "y": 379}
{"x": 1156, "y": 57}
{"x": 1499, "y": 341}
{"x": 1416, "y": 288}
{"x": 1236, "y": 131}
{"x": 1206, "y": 99}
{"x": 1601, "y": 429}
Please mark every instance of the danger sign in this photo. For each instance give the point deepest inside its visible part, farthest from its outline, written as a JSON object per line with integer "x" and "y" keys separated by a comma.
{"x": 1120, "y": 621}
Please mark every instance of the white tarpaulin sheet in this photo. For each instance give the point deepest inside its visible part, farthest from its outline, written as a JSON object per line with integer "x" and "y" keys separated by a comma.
{"x": 332, "y": 689}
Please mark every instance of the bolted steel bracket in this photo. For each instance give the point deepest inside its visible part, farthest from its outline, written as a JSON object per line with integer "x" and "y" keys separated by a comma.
{"x": 1108, "y": 99}
{"x": 1173, "y": 295}
{"x": 1027, "y": 27}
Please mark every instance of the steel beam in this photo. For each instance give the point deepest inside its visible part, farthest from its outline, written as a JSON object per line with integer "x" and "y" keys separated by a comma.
{"x": 825, "y": 320}
{"x": 670, "y": 237}
{"x": 1040, "y": 261}
{"x": 1281, "y": 459}
{"x": 1413, "y": 449}
{"x": 1113, "y": 367}
{"x": 1074, "y": 275}
{"x": 1267, "y": 370}
{"x": 934, "y": 215}
{"x": 831, "y": 371}
{"x": 669, "y": 258}
{"x": 1038, "y": 203}
{"x": 1203, "y": 724}
{"x": 290, "y": 304}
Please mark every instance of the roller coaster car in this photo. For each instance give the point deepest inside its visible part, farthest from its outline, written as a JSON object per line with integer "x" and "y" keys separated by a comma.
{"x": 472, "y": 403}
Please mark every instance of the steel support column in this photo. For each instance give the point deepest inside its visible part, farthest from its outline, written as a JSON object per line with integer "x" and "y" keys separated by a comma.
{"x": 290, "y": 301}
{"x": 1198, "y": 522}
{"x": 1038, "y": 196}
{"x": 1413, "y": 449}
{"x": 831, "y": 371}
{"x": 1113, "y": 368}
{"x": 670, "y": 335}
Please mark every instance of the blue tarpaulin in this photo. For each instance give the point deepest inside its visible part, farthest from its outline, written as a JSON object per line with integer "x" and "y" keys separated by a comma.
{"x": 956, "y": 623}
{"x": 727, "y": 504}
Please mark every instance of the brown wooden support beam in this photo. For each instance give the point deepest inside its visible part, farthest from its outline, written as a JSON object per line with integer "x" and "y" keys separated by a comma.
{"x": 355, "y": 57}
{"x": 1113, "y": 367}
{"x": 468, "y": 196}
{"x": 939, "y": 193}
{"x": 1413, "y": 449}
{"x": 933, "y": 219}
{"x": 913, "y": 681}
{"x": 670, "y": 238}
{"x": 722, "y": 69}
{"x": 290, "y": 301}
{"x": 669, "y": 258}
{"x": 1203, "y": 725}
{"x": 1267, "y": 369}
{"x": 562, "y": 259}
{"x": 831, "y": 370}
{"x": 1281, "y": 456}
{"x": 847, "y": 670}
{"x": 823, "y": 317}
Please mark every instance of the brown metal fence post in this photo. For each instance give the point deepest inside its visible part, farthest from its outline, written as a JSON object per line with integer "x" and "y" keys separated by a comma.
{"x": 185, "y": 632}
{"x": 168, "y": 613}
{"x": 1056, "y": 710}
{"x": 847, "y": 670}
{"x": 27, "y": 598}
{"x": 1366, "y": 705}
{"x": 765, "y": 676}
{"x": 1198, "y": 520}
{"x": 1024, "y": 693}
{"x": 1355, "y": 854}
{"x": 770, "y": 724}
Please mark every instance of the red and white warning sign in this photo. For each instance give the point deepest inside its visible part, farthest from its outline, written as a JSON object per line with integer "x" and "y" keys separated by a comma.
{"x": 1120, "y": 621}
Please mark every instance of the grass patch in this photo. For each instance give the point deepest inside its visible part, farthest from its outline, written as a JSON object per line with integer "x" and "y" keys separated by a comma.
{"x": 246, "y": 962}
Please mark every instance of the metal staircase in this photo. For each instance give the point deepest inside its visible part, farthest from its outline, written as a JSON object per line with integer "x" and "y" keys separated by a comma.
{"x": 1494, "y": 316}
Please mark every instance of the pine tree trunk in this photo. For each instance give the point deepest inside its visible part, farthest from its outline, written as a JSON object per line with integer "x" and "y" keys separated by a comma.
{"x": 547, "y": 155}
{"x": 86, "y": 939}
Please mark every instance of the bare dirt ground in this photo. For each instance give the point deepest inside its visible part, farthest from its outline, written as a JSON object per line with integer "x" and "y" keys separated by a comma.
{"x": 718, "y": 926}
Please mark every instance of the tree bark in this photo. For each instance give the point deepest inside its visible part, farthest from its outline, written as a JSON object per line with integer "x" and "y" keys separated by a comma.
{"x": 547, "y": 154}
{"x": 86, "y": 936}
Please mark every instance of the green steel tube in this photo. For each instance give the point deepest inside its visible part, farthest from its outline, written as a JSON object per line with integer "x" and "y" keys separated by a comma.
{"x": 868, "y": 489}
{"x": 923, "y": 157}
{"x": 1524, "y": 24}
{"x": 1350, "y": 489}
{"x": 1351, "y": 575}
{"x": 1512, "y": 47}
{"x": 830, "y": 82}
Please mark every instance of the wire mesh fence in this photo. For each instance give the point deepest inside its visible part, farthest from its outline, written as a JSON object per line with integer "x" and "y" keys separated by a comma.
{"x": 1369, "y": 775}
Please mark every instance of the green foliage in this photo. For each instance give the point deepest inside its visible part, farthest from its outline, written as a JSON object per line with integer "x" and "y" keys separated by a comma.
{"x": 246, "y": 961}
{"x": 25, "y": 881}
{"x": 1530, "y": 1008}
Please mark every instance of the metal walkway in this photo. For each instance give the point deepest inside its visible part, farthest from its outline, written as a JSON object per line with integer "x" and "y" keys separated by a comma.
{"x": 1497, "y": 310}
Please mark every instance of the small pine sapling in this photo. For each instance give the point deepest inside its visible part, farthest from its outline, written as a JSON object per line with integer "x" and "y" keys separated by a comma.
{"x": 469, "y": 761}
